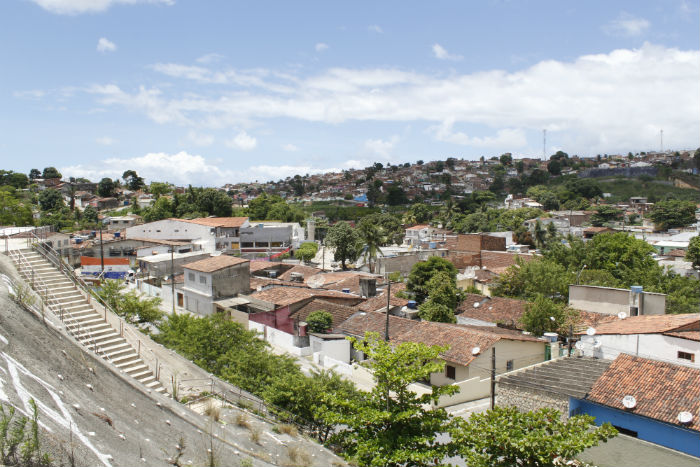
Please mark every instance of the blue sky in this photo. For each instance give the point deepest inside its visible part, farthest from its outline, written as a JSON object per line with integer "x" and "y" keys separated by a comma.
{"x": 209, "y": 92}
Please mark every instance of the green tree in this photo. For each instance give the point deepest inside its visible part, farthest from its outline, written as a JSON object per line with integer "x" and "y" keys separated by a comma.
{"x": 34, "y": 174}
{"x": 159, "y": 189}
{"x": 527, "y": 280}
{"x": 132, "y": 180}
{"x": 161, "y": 209}
{"x": 554, "y": 167}
{"x": 392, "y": 426}
{"x": 422, "y": 272}
{"x": 319, "y": 321}
{"x": 345, "y": 241}
{"x": 545, "y": 315}
{"x": 90, "y": 216}
{"x": 673, "y": 213}
{"x": 693, "y": 253}
{"x": 604, "y": 214}
{"x": 506, "y": 159}
{"x": 50, "y": 200}
{"x": 51, "y": 172}
{"x": 505, "y": 437}
{"x": 306, "y": 251}
{"x": 13, "y": 212}
{"x": 106, "y": 187}
{"x": 520, "y": 166}
{"x": 214, "y": 203}
{"x": 395, "y": 195}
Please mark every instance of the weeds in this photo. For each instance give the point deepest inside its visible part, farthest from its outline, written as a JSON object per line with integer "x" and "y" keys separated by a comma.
{"x": 213, "y": 410}
{"x": 255, "y": 434}
{"x": 242, "y": 420}
{"x": 19, "y": 439}
{"x": 287, "y": 429}
{"x": 246, "y": 462}
{"x": 179, "y": 452}
{"x": 298, "y": 455}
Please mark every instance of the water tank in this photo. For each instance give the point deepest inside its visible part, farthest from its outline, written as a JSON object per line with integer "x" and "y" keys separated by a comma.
{"x": 412, "y": 304}
{"x": 346, "y": 290}
{"x": 432, "y": 245}
{"x": 78, "y": 240}
{"x": 272, "y": 274}
{"x": 303, "y": 328}
{"x": 637, "y": 289}
{"x": 117, "y": 234}
{"x": 551, "y": 336}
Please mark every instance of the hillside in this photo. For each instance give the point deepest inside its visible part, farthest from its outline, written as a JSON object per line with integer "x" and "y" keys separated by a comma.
{"x": 86, "y": 407}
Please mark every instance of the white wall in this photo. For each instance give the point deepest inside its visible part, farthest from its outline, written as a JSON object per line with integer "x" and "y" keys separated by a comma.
{"x": 172, "y": 229}
{"x": 653, "y": 346}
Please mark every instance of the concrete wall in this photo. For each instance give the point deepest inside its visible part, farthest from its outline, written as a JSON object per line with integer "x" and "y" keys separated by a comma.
{"x": 169, "y": 229}
{"x": 337, "y": 349}
{"x": 231, "y": 281}
{"x": 402, "y": 264}
{"x": 526, "y": 399}
{"x": 279, "y": 339}
{"x": 522, "y": 353}
{"x": 654, "y": 346}
{"x": 672, "y": 436}
{"x": 611, "y": 301}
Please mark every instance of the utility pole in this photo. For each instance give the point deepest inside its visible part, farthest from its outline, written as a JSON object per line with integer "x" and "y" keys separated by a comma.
{"x": 102, "y": 253}
{"x": 493, "y": 377}
{"x": 571, "y": 337}
{"x": 661, "y": 138}
{"x": 388, "y": 304}
{"x": 172, "y": 275}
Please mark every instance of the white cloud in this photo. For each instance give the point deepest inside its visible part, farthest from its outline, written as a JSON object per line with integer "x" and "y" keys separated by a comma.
{"x": 210, "y": 58}
{"x": 320, "y": 47}
{"x": 75, "y": 7}
{"x": 603, "y": 102}
{"x": 380, "y": 147}
{"x": 200, "y": 139}
{"x": 33, "y": 94}
{"x": 105, "y": 45}
{"x": 183, "y": 168}
{"x": 375, "y": 28}
{"x": 289, "y": 147}
{"x": 105, "y": 141}
{"x": 440, "y": 52}
{"x": 242, "y": 141}
{"x": 507, "y": 137}
{"x": 626, "y": 25}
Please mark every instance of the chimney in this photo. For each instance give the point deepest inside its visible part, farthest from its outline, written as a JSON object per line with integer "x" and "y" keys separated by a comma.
{"x": 368, "y": 287}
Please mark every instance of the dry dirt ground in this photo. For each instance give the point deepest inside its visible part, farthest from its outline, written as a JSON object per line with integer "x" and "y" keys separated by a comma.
{"x": 89, "y": 411}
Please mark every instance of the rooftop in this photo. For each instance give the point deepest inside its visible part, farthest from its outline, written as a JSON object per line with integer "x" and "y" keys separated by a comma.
{"x": 217, "y": 221}
{"x": 572, "y": 376}
{"x": 215, "y": 263}
{"x": 507, "y": 311}
{"x": 650, "y": 324}
{"x": 662, "y": 390}
{"x": 340, "y": 313}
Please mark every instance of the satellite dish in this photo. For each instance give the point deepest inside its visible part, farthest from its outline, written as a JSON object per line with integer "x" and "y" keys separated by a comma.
{"x": 622, "y": 315}
{"x": 685, "y": 417}
{"x": 590, "y": 331}
{"x": 579, "y": 345}
{"x": 477, "y": 304}
{"x": 476, "y": 350}
{"x": 629, "y": 402}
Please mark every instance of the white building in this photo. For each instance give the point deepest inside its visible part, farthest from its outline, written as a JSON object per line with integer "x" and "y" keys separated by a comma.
{"x": 417, "y": 234}
{"x": 670, "y": 338}
{"x": 212, "y": 279}
{"x": 212, "y": 233}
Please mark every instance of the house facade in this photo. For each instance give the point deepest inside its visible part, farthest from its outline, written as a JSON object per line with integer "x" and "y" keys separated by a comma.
{"x": 212, "y": 279}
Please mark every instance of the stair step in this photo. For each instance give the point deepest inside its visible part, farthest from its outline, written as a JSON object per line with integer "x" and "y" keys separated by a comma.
{"x": 117, "y": 354}
{"x": 141, "y": 374}
{"x": 136, "y": 369}
{"x": 126, "y": 360}
{"x": 153, "y": 383}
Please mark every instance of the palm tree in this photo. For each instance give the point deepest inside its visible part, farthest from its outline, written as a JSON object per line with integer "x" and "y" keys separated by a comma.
{"x": 374, "y": 237}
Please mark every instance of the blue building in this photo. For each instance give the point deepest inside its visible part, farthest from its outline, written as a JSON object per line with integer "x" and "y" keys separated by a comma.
{"x": 651, "y": 400}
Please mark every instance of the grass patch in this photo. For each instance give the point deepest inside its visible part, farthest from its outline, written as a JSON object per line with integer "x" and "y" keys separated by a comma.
{"x": 298, "y": 455}
{"x": 243, "y": 420}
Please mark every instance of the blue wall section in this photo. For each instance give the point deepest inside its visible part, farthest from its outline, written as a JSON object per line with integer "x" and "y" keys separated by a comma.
{"x": 672, "y": 436}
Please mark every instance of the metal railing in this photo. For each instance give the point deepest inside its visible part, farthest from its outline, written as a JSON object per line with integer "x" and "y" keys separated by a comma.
{"x": 50, "y": 300}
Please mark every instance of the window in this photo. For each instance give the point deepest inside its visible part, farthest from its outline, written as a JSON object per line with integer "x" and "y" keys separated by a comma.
{"x": 509, "y": 365}
{"x": 686, "y": 356}
{"x": 202, "y": 279}
{"x": 190, "y": 276}
{"x": 450, "y": 372}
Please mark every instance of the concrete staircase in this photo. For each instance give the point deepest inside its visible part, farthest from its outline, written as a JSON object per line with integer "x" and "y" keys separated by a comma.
{"x": 63, "y": 298}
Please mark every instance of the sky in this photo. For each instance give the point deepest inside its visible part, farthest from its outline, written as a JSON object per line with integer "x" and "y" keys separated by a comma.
{"x": 208, "y": 92}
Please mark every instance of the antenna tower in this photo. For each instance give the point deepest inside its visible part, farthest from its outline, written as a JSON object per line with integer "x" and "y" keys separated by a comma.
{"x": 544, "y": 144}
{"x": 661, "y": 138}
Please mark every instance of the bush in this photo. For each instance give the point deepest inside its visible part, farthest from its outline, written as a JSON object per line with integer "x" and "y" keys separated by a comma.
{"x": 319, "y": 321}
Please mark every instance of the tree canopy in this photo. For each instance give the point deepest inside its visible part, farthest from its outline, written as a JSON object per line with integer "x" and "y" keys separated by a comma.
{"x": 673, "y": 213}
{"x": 345, "y": 241}
{"x": 422, "y": 272}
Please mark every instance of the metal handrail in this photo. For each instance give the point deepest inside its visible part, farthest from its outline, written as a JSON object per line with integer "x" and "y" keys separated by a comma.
{"x": 52, "y": 302}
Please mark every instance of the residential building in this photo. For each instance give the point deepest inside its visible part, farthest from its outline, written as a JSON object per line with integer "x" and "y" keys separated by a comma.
{"x": 647, "y": 399}
{"x": 671, "y": 338}
{"x": 611, "y": 301}
{"x": 211, "y": 233}
{"x": 212, "y": 279}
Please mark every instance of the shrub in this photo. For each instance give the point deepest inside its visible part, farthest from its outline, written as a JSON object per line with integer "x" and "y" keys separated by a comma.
{"x": 319, "y": 321}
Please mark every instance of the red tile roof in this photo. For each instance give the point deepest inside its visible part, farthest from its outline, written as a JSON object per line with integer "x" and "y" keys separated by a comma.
{"x": 214, "y": 263}
{"x": 340, "y": 313}
{"x": 662, "y": 390}
{"x": 284, "y": 296}
{"x": 360, "y": 323}
{"x": 690, "y": 335}
{"x": 507, "y": 311}
{"x": 650, "y": 324}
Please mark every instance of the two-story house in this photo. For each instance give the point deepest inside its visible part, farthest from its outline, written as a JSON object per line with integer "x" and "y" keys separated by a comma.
{"x": 212, "y": 279}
